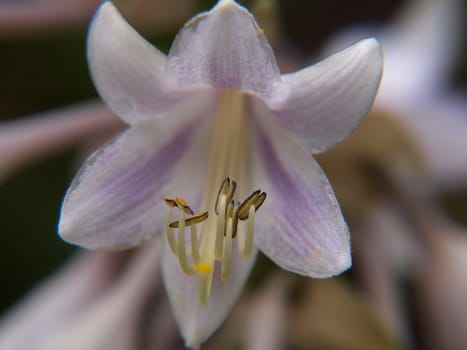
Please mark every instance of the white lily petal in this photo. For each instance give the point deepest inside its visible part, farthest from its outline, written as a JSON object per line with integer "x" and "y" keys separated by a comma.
{"x": 224, "y": 48}
{"x": 56, "y": 301}
{"x": 324, "y": 103}
{"x": 116, "y": 200}
{"x": 197, "y": 323}
{"x": 301, "y": 228}
{"x": 32, "y": 137}
{"x": 129, "y": 73}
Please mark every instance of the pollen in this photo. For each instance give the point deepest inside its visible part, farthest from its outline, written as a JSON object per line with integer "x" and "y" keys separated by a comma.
{"x": 199, "y": 254}
{"x": 203, "y": 268}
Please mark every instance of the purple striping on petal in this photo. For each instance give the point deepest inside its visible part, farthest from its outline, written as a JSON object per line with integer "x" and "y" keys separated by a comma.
{"x": 294, "y": 201}
{"x": 155, "y": 170}
{"x": 143, "y": 178}
{"x": 282, "y": 183}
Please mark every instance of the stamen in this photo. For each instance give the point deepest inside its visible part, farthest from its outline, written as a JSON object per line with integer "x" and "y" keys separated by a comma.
{"x": 181, "y": 203}
{"x": 191, "y": 221}
{"x": 225, "y": 270}
{"x": 255, "y": 199}
{"x": 220, "y": 228}
{"x": 217, "y": 239}
{"x": 195, "y": 247}
{"x": 171, "y": 202}
{"x": 232, "y": 212}
{"x": 182, "y": 256}
{"x": 227, "y": 189}
{"x": 169, "y": 231}
{"x": 250, "y": 234}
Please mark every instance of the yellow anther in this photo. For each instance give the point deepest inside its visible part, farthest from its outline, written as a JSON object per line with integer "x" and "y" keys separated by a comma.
{"x": 182, "y": 204}
{"x": 191, "y": 221}
{"x": 171, "y": 202}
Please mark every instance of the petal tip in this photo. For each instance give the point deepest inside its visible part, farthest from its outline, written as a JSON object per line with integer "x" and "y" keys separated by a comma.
{"x": 374, "y": 48}
{"x": 104, "y": 11}
{"x": 226, "y": 4}
{"x": 343, "y": 262}
{"x": 66, "y": 228}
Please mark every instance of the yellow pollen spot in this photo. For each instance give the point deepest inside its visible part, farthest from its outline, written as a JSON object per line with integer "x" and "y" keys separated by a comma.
{"x": 203, "y": 268}
{"x": 260, "y": 31}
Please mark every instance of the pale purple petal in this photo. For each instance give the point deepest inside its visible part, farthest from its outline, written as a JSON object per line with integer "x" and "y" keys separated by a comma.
{"x": 324, "y": 103}
{"x": 224, "y": 48}
{"x": 129, "y": 73}
{"x": 197, "y": 323}
{"x": 56, "y": 301}
{"x": 300, "y": 226}
{"x": 116, "y": 200}
{"x": 29, "y": 138}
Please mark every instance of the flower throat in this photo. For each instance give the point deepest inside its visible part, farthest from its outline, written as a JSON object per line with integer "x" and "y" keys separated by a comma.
{"x": 226, "y": 219}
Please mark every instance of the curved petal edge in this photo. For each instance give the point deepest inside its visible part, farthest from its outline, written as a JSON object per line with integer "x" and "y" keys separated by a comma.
{"x": 129, "y": 73}
{"x": 324, "y": 103}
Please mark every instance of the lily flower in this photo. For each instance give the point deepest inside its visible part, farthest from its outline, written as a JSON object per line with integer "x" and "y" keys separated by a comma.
{"x": 209, "y": 124}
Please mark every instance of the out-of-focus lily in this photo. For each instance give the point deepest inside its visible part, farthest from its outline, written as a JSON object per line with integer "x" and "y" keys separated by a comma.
{"x": 30, "y": 138}
{"x": 33, "y": 15}
{"x": 420, "y": 48}
{"x": 86, "y": 305}
{"x": 212, "y": 122}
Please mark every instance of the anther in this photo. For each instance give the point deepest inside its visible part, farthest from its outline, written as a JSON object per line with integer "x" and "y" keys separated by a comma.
{"x": 232, "y": 213}
{"x": 171, "y": 202}
{"x": 191, "y": 221}
{"x": 255, "y": 199}
{"x": 182, "y": 204}
{"x": 227, "y": 189}
{"x": 217, "y": 242}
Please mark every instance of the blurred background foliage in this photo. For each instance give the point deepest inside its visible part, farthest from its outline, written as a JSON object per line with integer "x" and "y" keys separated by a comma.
{"x": 46, "y": 68}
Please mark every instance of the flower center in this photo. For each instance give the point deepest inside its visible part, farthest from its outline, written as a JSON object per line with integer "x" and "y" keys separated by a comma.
{"x": 226, "y": 218}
